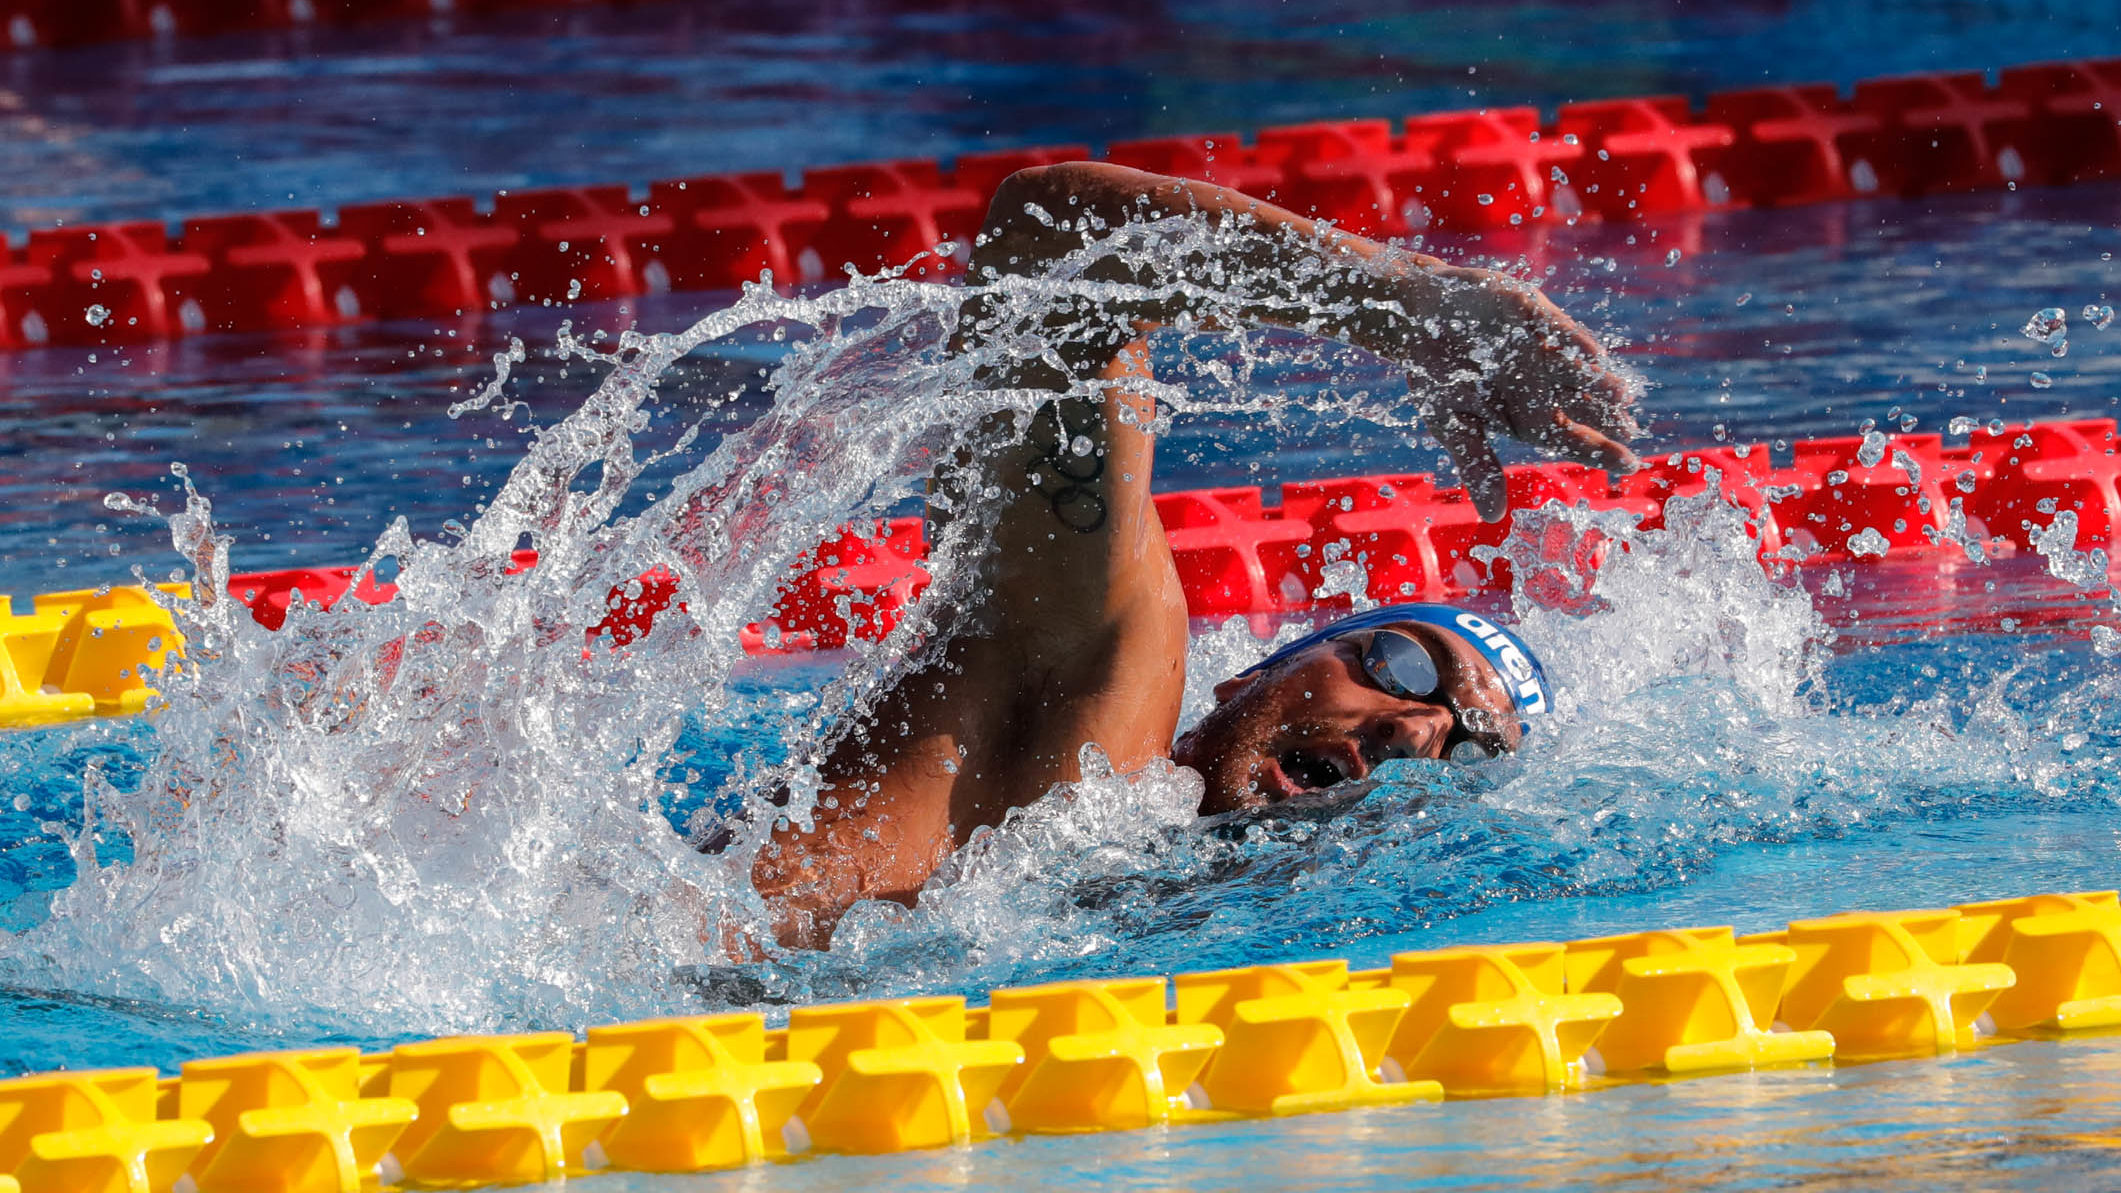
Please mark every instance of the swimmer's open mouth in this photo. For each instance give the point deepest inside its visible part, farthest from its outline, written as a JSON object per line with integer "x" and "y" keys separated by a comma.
{"x": 1311, "y": 770}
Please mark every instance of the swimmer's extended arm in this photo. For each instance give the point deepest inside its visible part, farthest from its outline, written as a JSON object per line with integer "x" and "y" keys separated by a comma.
{"x": 1084, "y": 634}
{"x": 1082, "y": 637}
{"x": 1486, "y": 354}
{"x": 1084, "y": 629}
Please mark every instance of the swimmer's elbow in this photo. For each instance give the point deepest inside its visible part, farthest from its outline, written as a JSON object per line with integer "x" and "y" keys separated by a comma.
{"x": 1034, "y": 187}
{"x": 1056, "y": 188}
{"x": 1043, "y": 184}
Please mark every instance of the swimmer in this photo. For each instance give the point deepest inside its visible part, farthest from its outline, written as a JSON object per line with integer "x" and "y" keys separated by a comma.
{"x": 1081, "y": 635}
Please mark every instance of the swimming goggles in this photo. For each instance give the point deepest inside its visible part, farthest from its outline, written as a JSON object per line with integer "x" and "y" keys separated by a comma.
{"x": 1401, "y": 665}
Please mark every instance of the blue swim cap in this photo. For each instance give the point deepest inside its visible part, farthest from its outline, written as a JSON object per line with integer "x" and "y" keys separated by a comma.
{"x": 1520, "y": 668}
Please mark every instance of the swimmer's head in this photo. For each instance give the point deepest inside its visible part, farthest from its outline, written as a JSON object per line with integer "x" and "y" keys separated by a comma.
{"x": 1402, "y": 681}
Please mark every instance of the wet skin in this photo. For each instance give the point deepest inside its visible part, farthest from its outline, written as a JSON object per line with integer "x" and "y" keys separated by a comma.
{"x": 1316, "y": 719}
{"x": 1080, "y": 636}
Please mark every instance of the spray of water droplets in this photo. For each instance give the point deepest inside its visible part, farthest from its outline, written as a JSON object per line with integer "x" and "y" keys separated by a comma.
{"x": 442, "y": 814}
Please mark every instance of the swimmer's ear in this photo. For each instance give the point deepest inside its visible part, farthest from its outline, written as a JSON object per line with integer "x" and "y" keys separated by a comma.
{"x": 1232, "y": 686}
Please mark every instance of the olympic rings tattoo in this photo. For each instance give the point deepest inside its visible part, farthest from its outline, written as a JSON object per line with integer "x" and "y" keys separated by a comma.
{"x": 1076, "y": 504}
{"x": 1078, "y": 509}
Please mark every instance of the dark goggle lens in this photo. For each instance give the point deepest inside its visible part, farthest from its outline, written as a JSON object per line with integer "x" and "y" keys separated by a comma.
{"x": 1401, "y": 666}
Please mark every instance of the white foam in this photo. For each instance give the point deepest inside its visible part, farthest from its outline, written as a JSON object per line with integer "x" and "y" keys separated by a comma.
{"x": 441, "y": 815}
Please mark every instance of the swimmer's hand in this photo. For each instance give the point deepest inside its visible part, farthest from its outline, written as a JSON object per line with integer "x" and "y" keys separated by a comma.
{"x": 1505, "y": 359}
{"x": 1484, "y": 353}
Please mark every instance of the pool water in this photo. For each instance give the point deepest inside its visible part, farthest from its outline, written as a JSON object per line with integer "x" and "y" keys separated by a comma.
{"x": 1734, "y": 750}
{"x": 2032, "y": 1116}
{"x": 1772, "y": 326}
{"x": 663, "y": 89}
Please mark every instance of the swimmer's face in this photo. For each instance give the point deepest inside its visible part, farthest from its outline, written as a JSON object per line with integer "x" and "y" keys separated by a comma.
{"x": 1316, "y": 719}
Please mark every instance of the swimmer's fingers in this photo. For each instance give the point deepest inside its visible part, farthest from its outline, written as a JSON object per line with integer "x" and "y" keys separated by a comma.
{"x": 1589, "y": 445}
{"x": 1606, "y": 396}
{"x": 1466, "y": 439}
{"x": 1574, "y": 408}
{"x": 1558, "y": 385}
{"x": 1531, "y": 415}
{"x": 1555, "y": 414}
{"x": 1480, "y": 469}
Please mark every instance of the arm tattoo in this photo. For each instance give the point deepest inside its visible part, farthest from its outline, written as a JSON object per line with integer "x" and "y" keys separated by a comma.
{"x": 1068, "y": 479}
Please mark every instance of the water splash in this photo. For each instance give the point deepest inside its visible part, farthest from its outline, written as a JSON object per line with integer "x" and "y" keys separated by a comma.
{"x": 1695, "y": 714}
{"x": 443, "y": 814}
{"x": 2088, "y": 569}
{"x": 2048, "y": 326}
{"x": 1691, "y": 601}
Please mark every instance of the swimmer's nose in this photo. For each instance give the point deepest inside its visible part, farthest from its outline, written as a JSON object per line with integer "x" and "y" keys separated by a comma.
{"x": 1419, "y": 731}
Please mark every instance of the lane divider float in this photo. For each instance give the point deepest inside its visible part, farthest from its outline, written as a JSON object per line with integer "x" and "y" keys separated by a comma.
{"x": 1845, "y": 501}
{"x": 699, "y": 1093}
{"x": 1504, "y": 172}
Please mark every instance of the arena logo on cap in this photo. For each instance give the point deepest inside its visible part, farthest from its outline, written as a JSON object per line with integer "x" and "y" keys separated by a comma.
{"x": 1509, "y": 659}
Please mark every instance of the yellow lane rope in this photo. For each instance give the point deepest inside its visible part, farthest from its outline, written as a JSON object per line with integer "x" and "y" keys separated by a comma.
{"x": 719, "y": 1091}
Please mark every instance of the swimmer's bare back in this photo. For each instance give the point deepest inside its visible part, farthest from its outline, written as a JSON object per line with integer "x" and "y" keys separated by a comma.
{"x": 1083, "y": 638}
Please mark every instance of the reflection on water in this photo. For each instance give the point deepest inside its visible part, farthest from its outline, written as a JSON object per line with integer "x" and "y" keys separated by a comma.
{"x": 2034, "y": 1115}
{"x": 1774, "y": 326}
{"x": 481, "y": 839}
{"x": 595, "y": 94}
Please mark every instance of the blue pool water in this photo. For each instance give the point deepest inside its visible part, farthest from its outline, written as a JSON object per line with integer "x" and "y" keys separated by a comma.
{"x": 1743, "y": 753}
{"x": 1772, "y": 326}
{"x": 147, "y": 130}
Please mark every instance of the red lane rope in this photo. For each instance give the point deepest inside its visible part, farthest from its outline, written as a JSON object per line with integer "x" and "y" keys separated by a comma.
{"x": 1840, "y": 501}
{"x": 1491, "y": 170}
